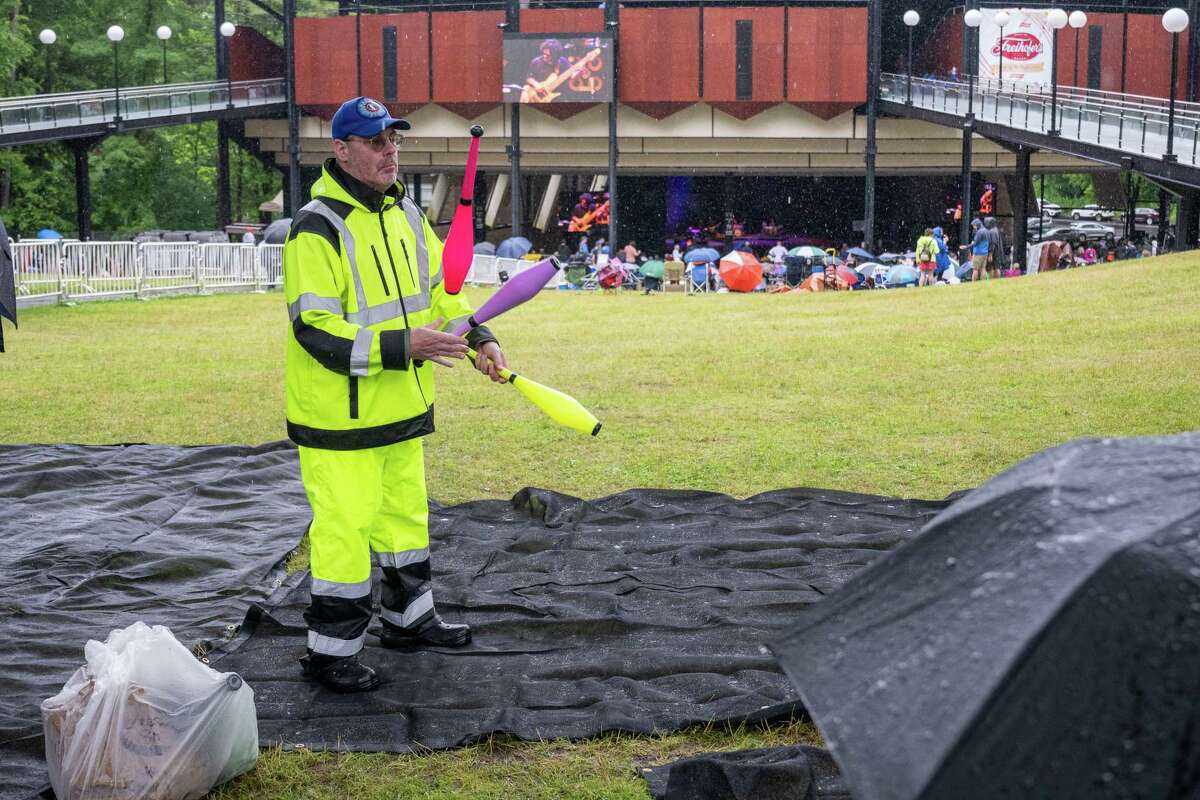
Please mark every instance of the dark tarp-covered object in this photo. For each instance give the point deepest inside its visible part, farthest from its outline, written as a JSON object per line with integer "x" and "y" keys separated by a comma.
{"x": 646, "y": 610}
{"x": 794, "y": 772}
{"x": 1041, "y": 639}
{"x": 95, "y": 538}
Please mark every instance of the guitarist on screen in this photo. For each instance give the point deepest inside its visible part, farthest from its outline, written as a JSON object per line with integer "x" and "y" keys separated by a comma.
{"x": 542, "y": 69}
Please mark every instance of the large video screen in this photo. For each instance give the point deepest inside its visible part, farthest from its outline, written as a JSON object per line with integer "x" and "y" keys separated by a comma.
{"x": 557, "y": 68}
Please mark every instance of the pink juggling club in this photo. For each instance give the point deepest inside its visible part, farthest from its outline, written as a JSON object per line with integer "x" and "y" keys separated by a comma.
{"x": 460, "y": 242}
{"x": 518, "y": 289}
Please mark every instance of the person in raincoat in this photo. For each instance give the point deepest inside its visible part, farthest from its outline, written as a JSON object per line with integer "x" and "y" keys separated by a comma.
{"x": 943, "y": 255}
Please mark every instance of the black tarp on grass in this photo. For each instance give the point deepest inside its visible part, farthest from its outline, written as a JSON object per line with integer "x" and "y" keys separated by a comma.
{"x": 1041, "y": 639}
{"x": 95, "y": 538}
{"x": 793, "y": 772}
{"x": 643, "y": 611}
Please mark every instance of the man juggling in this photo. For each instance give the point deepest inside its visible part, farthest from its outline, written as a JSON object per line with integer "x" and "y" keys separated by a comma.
{"x": 369, "y": 320}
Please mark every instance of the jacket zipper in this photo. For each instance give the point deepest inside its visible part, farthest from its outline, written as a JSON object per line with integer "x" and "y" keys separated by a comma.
{"x": 400, "y": 294}
{"x": 383, "y": 280}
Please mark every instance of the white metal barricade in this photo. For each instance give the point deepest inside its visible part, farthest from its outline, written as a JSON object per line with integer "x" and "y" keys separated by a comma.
{"x": 270, "y": 265}
{"x": 523, "y": 264}
{"x": 100, "y": 269}
{"x": 483, "y": 270}
{"x": 169, "y": 266}
{"x": 227, "y": 265}
{"x": 37, "y": 269}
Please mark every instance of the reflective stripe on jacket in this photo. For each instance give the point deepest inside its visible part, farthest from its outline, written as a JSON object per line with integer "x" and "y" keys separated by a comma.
{"x": 360, "y": 270}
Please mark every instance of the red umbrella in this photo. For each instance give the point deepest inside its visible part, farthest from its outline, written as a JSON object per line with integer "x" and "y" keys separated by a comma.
{"x": 741, "y": 271}
{"x": 848, "y": 275}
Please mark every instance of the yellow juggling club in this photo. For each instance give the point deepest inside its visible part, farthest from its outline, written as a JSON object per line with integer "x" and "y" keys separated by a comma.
{"x": 562, "y": 408}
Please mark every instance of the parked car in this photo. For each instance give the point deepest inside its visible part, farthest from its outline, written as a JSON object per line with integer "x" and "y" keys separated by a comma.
{"x": 1093, "y": 230}
{"x": 1063, "y": 233}
{"x": 1049, "y": 209}
{"x": 1093, "y": 211}
{"x": 1145, "y": 216}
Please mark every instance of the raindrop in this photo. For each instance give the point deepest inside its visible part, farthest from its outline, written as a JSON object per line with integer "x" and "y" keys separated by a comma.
{"x": 951, "y": 561}
{"x": 1107, "y": 777}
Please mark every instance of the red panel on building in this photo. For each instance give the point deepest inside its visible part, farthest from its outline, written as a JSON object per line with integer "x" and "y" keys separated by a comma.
{"x": 827, "y": 59}
{"x": 720, "y": 54}
{"x": 1148, "y": 71}
{"x": 324, "y": 65}
{"x": 660, "y": 63}
{"x": 253, "y": 56}
{"x": 562, "y": 20}
{"x": 467, "y": 60}
{"x": 411, "y": 58}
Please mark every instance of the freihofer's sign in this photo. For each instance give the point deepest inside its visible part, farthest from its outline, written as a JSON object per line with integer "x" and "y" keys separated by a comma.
{"x": 1028, "y": 46}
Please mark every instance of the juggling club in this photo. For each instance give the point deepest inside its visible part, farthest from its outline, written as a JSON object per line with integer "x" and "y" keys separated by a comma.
{"x": 519, "y": 289}
{"x": 562, "y": 408}
{"x": 460, "y": 242}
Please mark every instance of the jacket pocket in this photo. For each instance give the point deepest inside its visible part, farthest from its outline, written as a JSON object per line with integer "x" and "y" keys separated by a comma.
{"x": 353, "y": 397}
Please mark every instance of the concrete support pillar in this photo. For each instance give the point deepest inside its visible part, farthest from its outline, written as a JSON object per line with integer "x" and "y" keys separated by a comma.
{"x": 549, "y": 202}
{"x": 440, "y": 187}
{"x": 496, "y": 199}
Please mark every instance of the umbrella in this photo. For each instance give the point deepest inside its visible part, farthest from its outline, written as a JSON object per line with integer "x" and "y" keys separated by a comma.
{"x": 741, "y": 271}
{"x": 964, "y": 272}
{"x": 48, "y": 233}
{"x": 808, "y": 251}
{"x": 653, "y": 269}
{"x": 858, "y": 252}
{"x": 277, "y": 231}
{"x": 1041, "y": 632}
{"x": 514, "y": 247}
{"x": 902, "y": 275}
{"x": 485, "y": 249}
{"x": 701, "y": 255}
{"x": 890, "y": 258}
{"x": 8, "y": 289}
{"x": 848, "y": 275}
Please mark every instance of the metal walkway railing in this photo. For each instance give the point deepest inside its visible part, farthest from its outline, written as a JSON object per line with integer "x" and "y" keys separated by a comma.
{"x": 53, "y": 112}
{"x": 1126, "y": 123}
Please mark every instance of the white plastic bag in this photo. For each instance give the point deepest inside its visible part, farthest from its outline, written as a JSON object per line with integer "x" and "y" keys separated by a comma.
{"x": 144, "y": 720}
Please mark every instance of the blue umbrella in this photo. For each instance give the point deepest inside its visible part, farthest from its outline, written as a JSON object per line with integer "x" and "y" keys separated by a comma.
{"x": 48, "y": 233}
{"x": 902, "y": 275}
{"x": 964, "y": 272}
{"x": 701, "y": 255}
{"x": 485, "y": 249}
{"x": 858, "y": 252}
{"x": 515, "y": 247}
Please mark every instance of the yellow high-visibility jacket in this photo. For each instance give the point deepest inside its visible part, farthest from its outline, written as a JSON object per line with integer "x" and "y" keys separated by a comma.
{"x": 360, "y": 270}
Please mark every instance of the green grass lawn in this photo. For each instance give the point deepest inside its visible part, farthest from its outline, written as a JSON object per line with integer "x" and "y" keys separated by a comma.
{"x": 909, "y": 392}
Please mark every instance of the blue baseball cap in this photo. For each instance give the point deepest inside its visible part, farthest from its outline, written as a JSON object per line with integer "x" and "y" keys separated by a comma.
{"x": 364, "y": 117}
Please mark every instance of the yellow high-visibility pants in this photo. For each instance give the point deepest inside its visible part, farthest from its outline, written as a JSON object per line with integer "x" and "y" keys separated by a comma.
{"x": 366, "y": 502}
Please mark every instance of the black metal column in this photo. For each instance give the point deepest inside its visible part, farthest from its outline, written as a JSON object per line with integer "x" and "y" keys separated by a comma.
{"x": 83, "y": 186}
{"x": 512, "y": 19}
{"x": 964, "y": 225}
{"x": 612, "y": 22}
{"x": 223, "y": 212}
{"x": 1124, "y": 41}
{"x": 1193, "y": 49}
{"x": 218, "y": 39}
{"x": 358, "y": 47}
{"x": 292, "y": 198}
{"x": 874, "y": 29}
{"x": 1164, "y": 207}
{"x": 1020, "y": 206}
{"x": 1185, "y": 220}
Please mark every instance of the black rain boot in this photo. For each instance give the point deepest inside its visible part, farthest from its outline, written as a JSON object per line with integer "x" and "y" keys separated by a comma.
{"x": 341, "y": 674}
{"x": 434, "y": 632}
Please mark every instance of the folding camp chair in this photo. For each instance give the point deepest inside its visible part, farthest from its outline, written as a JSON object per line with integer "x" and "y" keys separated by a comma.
{"x": 697, "y": 278}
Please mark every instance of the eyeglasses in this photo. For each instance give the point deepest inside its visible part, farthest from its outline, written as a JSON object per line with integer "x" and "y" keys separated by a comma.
{"x": 379, "y": 142}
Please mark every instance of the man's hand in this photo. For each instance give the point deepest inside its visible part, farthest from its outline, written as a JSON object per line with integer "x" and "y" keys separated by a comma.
{"x": 490, "y": 360}
{"x": 429, "y": 344}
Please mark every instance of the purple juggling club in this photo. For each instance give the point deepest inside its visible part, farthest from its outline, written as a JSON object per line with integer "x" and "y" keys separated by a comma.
{"x": 512, "y": 294}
